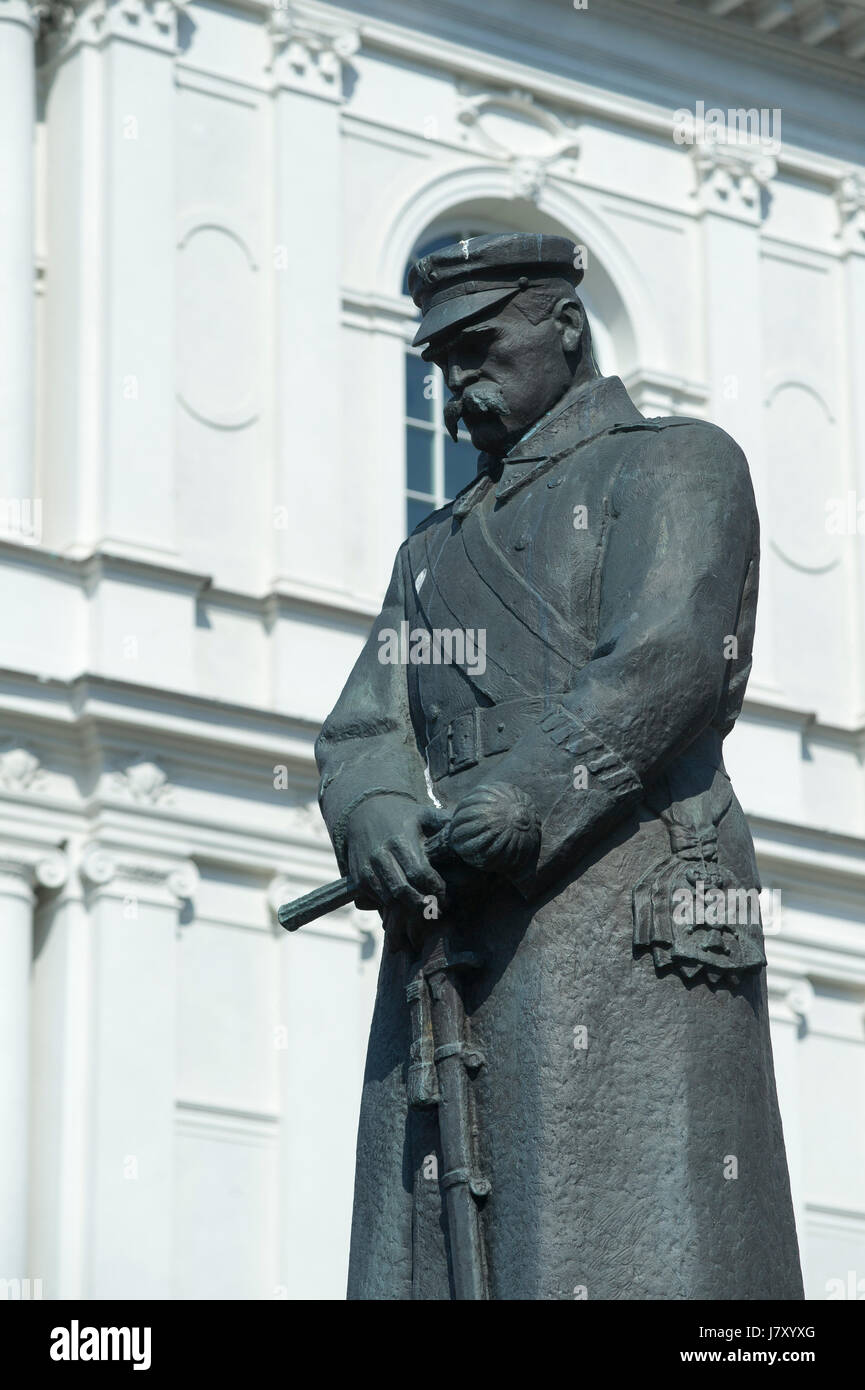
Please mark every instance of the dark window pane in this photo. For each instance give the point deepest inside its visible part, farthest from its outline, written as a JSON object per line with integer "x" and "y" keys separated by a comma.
{"x": 419, "y": 459}
{"x": 418, "y": 388}
{"x": 461, "y": 465}
{"x": 416, "y": 511}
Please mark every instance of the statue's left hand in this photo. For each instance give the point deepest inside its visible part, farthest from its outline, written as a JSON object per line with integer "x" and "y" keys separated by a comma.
{"x": 496, "y": 828}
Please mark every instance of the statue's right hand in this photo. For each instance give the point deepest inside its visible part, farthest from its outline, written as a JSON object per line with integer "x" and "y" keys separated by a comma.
{"x": 386, "y": 855}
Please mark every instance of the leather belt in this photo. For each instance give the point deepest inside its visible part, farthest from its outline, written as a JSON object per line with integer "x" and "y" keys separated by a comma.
{"x": 481, "y": 732}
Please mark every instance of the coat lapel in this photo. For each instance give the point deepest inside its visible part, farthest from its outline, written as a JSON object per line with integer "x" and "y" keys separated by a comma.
{"x": 468, "y": 583}
{"x": 523, "y": 603}
{"x": 447, "y": 595}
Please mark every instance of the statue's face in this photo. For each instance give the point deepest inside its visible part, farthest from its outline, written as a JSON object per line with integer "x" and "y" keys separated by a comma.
{"x": 505, "y": 373}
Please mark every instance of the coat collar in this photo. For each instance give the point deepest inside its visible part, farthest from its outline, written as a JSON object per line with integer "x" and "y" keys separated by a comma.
{"x": 584, "y": 412}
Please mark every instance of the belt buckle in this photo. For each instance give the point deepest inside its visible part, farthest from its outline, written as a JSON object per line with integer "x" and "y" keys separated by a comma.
{"x": 463, "y": 742}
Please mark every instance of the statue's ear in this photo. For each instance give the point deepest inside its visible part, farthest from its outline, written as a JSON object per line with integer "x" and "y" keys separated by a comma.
{"x": 569, "y": 315}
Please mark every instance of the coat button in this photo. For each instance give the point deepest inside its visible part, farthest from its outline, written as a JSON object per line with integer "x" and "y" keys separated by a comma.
{"x": 554, "y": 482}
{"x": 522, "y": 541}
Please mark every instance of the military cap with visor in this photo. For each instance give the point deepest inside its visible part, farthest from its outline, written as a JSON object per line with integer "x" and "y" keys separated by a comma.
{"x": 464, "y": 281}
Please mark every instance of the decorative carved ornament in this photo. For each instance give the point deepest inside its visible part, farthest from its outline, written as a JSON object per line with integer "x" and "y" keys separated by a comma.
{"x": 512, "y": 127}
{"x": 142, "y": 781}
{"x": 731, "y": 176}
{"x": 153, "y": 22}
{"x": 850, "y": 201}
{"x": 20, "y": 770}
{"x": 306, "y": 55}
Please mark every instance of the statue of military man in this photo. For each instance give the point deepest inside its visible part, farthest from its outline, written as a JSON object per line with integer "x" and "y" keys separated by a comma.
{"x": 575, "y": 636}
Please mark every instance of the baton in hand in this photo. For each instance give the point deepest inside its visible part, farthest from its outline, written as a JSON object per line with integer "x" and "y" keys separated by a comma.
{"x": 344, "y": 890}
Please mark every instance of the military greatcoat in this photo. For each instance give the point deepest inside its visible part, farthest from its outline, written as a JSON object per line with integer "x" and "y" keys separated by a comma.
{"x": 626, "y": 1110}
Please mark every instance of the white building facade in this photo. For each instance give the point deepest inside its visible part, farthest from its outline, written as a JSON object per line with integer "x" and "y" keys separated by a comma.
{"x": 208, "y": 211}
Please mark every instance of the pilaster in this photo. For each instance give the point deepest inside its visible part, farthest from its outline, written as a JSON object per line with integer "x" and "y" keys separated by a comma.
{"x": 24, "y": 869}
{"x": 109, "y": 287}
{"x": 105, "y": 997}
{"x": 313, "y": 474}
{"x": 18, "y": 24}
{"x": 733, "y": 181}
{"x": 850, "y": 203}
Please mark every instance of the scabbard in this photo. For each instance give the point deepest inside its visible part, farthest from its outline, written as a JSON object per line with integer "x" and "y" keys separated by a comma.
{"x": 462, "y": 1184}
{"x": 422, "y": 1082}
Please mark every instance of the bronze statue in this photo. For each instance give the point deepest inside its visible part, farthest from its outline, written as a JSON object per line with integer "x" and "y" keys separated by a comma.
{"x": 569, "y": 1089}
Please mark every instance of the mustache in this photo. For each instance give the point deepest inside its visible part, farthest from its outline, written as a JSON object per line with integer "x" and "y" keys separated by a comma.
{"x": 482, "y": 398}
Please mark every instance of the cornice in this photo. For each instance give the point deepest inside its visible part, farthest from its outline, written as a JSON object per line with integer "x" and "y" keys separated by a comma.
{"x": 121, "y": 709}
{"x": 762, "y": 705}
{"x": 428, "y": 23}
{"x": 497, "y": 74}
{"x": 314, "y": 599}
{"x": 797, "y": 964}
{"x": 666, "y": 394}
{"x": 106, "y": 563}
{"x": 139, "y": 833}
{"x": 828, "y": 36}
{"x": 312, "y": 44}
{"x": 810, "y": 855}
{"x": 204, "y": 1118}
{"x": 125, "y": 711}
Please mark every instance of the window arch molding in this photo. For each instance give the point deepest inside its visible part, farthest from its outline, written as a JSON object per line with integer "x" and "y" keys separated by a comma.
{"x": 613, "y": 287}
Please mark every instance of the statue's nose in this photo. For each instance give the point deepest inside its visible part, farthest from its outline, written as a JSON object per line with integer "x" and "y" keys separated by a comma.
{"x": 460, "y": 377}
